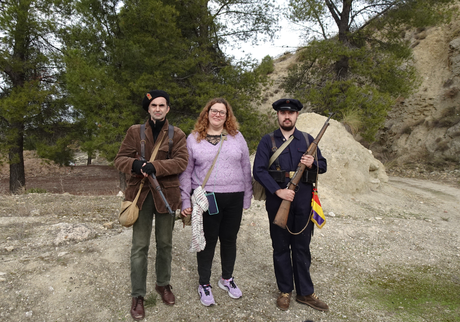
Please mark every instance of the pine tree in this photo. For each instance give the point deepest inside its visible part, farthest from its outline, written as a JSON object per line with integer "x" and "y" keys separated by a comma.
{"x": 358, "y": 60}
{"x": 30, "y": 60}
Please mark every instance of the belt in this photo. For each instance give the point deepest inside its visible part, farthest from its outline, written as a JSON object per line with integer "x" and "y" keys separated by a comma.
{"x": 289, "y": 174}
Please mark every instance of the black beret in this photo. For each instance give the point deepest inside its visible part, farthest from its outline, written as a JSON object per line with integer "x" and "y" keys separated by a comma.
{"x": 287, "y": 104}
{"x": 151, "y": 96}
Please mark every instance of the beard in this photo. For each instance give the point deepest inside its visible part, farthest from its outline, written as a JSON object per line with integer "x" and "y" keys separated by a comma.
{"x": 287, "y": 127}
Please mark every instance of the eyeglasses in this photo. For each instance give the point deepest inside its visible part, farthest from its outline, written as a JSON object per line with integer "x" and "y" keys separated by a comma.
{"x": 221, "y": 113}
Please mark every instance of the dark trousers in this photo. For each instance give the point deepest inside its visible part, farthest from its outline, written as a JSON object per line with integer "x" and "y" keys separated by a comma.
{"x": 291, "y": 253}
{"x": 224, "y": 227}
{"x": 142, "y": 230}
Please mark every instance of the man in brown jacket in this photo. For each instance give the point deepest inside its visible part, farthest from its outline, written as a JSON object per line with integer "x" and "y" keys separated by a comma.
{"x": 170, "y": 161}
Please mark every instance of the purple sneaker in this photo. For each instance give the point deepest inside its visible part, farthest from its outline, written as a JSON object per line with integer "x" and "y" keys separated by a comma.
{"x": 205, "y": 293}
{"x": 229, "y": 285}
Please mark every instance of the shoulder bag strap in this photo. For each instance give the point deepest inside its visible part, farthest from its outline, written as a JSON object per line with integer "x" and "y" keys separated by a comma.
{"x": 152, "y": 158}
{"x": 154, "y": 153}
{"x": 278, "y": 150}
{"x": 222, "y": 138}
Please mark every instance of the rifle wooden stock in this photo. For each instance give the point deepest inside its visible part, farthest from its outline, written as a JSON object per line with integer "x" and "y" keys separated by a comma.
{"x": 282, "y": 215}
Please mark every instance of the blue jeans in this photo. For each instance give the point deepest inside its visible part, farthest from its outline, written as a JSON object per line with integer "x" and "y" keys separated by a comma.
{"x": 142, "y": 230}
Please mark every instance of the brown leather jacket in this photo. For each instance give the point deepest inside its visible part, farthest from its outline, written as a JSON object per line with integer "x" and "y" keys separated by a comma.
{"x": 167, "y": 170}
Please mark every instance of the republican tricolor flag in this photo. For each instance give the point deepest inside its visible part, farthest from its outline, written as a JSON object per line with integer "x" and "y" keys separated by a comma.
{"x": 317, "y": 215}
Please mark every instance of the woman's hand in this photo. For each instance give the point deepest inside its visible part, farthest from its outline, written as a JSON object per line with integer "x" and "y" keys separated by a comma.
{"x": 185, "y": 213}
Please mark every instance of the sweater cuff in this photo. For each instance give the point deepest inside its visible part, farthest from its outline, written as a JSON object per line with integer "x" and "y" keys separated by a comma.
{"x": 186, "y": 204}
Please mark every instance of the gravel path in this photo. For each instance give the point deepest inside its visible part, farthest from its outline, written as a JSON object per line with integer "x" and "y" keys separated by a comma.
{"x": 404, "y": 233}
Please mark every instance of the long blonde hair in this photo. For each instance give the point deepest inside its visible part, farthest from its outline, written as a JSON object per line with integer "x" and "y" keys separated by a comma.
{"x": 201, "y": 126}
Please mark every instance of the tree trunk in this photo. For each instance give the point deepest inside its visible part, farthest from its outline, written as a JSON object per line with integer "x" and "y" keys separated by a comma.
{"x": 342, "y": 19}
{"x": 16, "y": 161}
{"x": 88, "y": 161}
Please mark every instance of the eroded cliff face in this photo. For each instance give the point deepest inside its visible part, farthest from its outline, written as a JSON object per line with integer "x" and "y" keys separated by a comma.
{"x": 425, "y": 127}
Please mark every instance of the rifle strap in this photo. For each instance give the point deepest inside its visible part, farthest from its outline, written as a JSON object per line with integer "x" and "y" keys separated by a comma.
{"x": 170, "y": 141}
{"x": 143, "y": 141}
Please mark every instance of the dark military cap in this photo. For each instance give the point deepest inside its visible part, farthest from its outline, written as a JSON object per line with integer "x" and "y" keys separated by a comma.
{"x": 151, "y": 96}
{"x": 287, "y": 104}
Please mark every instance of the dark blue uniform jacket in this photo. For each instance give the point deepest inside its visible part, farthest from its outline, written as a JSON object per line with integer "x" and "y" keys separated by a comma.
{"x": 288, "y": 160}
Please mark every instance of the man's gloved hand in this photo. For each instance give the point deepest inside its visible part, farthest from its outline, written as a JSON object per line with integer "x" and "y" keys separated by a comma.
{"x": 149, "y": 168}
{"x": 137, "y": 165}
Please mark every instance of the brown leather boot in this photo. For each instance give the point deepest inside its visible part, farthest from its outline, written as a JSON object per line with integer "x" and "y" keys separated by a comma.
{"x": 166, "y": 294}
{"x": 283, "y": 301}
{"x": 137, "y": 308}
{"x": 313, "y": 301}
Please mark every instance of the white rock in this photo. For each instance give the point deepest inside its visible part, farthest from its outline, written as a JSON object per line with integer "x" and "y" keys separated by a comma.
{"x": 351, "y": 168}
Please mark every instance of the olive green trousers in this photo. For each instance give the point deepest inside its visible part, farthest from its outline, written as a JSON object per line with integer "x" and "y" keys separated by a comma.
{"x": 142, "y": 230}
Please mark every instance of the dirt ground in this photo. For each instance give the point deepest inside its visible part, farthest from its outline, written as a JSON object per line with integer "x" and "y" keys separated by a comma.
{"x": 374, "y": 248}
{"x": 96, "y": 179}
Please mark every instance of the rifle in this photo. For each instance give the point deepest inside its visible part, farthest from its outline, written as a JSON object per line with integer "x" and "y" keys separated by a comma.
{"x": 154, "y": 182}
{"x": 283, "y": 211}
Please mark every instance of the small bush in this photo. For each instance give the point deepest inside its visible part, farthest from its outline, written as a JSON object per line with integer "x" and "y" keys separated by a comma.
{"x": 352, "y": 121}
{"x": 150, "y": 300}
{"x": 266, "y": 67}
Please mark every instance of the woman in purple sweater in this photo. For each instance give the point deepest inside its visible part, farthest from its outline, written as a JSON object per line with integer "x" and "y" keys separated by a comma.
{"x": 230, "y": 180}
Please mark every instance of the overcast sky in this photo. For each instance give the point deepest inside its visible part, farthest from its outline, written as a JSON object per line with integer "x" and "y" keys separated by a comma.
{"x": 288, "y": 39}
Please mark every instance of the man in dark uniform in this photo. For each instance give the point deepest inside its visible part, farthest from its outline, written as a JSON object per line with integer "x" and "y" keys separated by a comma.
{"x": 291, "y": 253}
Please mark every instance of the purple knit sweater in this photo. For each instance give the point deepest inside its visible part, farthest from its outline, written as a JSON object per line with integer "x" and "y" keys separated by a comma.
{"x": 231, "y": 173}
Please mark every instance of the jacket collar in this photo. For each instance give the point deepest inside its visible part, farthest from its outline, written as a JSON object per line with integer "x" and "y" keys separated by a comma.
{"x": 149, "y": 132}
{"x": 297, "y": 134}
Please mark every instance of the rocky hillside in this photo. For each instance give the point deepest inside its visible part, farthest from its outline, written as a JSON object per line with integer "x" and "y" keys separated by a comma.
{"x": 424, "y": 128}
